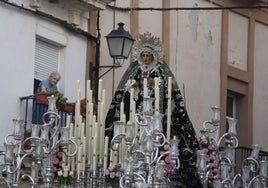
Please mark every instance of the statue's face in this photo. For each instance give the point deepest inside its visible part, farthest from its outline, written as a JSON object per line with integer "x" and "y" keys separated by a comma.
{"x": 147, "y": 58}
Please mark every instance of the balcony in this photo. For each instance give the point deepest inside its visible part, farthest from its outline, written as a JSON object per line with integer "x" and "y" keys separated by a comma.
{"x": 34, "y": 109}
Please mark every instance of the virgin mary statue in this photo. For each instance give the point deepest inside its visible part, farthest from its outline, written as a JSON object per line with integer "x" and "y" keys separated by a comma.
{"x": 149, "y": 63}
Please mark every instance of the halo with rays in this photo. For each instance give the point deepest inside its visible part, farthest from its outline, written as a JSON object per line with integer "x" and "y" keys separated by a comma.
{"x": 147, "y": 42}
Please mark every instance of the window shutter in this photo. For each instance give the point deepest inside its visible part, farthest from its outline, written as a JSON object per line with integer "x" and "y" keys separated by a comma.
{"x": 46, "y": 59}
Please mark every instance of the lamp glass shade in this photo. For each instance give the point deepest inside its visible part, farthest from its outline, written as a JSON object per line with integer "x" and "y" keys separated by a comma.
{"x": 119, "y": 43}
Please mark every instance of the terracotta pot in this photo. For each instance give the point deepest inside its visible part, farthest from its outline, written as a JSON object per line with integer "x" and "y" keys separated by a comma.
{"x": 41, "y": 98}
{"x": 69, "y": 107}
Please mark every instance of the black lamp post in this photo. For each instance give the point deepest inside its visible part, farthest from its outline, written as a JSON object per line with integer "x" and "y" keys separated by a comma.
{"x": 119, "y": 42}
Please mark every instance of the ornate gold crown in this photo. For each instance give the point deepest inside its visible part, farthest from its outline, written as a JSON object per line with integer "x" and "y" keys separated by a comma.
{"x": 148, "y": 43}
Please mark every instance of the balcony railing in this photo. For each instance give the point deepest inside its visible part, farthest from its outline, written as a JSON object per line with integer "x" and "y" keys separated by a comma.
{"x": 34, "y": 111}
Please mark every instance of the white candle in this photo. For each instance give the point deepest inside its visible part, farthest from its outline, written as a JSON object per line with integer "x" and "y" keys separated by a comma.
{"x": 169, "y": 108}
{"x": 111, "y": 156}
{"x": 94, "y": 162}
{"x": 88, "y": 107}
{"x": 73, "y": 158}
{"x": 145, "y": 88}
{"x": 84, "y": 153}
{"x": 96, "y": 135}
{"x": 92, "y": 137}
{"x": 68, "y": 120}
{"x": 88, "y": 85}
{"x": 71, "y": 130}
{"x": 101, "y": 132}
{"x": 115, "y": 157}
{"x": 156, "y": 91}
{"x": 64, "y": 159}
{"x": 100, "y": 90}
{"x": 89, "y": 144}
{"x": 121, "y": 111}
{"x": 105, "y": 152}
{"x": 131, "y": 105}
{"x": 79, "y": 159}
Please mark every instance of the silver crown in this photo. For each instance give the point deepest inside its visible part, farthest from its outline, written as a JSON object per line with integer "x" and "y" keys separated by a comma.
{"x": 148, "y": 43}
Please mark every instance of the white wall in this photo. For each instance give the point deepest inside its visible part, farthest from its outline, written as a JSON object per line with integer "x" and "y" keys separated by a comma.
{"x": 195, "y": 39}
{"x": 17, "y": 36}
{"x": 260, "y": 98}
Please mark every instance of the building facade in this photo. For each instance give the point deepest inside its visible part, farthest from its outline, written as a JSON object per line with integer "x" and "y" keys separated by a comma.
{"x": 216, "y": 50}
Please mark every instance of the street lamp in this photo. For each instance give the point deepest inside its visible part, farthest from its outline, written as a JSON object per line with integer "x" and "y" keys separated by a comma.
{"x": 119, "y": 42}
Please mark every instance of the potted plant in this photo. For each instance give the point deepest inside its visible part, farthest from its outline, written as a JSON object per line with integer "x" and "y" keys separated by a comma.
{"x": 41, "y": 98}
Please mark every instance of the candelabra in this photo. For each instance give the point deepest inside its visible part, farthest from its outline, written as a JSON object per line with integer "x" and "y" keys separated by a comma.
{"x": 253, "y": 173}
{"x": 45, "y": 139}
{"x": 142, "y": 165}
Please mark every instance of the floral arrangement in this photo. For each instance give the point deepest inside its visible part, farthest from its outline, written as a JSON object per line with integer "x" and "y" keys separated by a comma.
{"x": 112, "y": 176}
{"x": 210, "y": 150}
{"x": 169, "y": 168}
{"x": 61, "y": 171}
{"x": 61, "y": 99}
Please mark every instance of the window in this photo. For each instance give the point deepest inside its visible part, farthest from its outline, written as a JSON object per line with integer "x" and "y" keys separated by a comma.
{"x": 47, "y": 58}
{"x": 231, "y": 106}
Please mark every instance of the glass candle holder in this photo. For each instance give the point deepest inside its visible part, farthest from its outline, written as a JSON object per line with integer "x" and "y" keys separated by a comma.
{"x": 174, "y": 145}
{"x": 201, "y": 162}
{"x": 215, "y": 115}
{"x": 52, "y": 103}
{"x": 255, "y": 151}
{"x": 129, "y": 133}
{"x": 9, "y": 155}
{"x": 156, "y": 123}
{"x": 148, "y": 106}
{"x": 263, "y": 168}
{"x": 232, "y": 126}
{"x": 18, "y": 129}
{"x": 35, "y": 130}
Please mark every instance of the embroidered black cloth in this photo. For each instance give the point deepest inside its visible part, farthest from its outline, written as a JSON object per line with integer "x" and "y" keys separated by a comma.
{"x": 181, "y": 126}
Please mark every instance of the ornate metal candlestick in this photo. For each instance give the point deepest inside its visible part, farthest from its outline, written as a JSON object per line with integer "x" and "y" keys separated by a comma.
{"x": 253, "y": 173}
{"x": 42, "y": 149}
{"x": 142, "y": 165}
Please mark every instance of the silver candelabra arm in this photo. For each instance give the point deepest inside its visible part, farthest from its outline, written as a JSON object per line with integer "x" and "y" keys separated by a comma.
{"x": 253, "y": 180}
{"x": 2, "y": 179}
{"x": 209, "y": 127}
{"x": 9, "y": 137}
{"x": 230, "y": 138}
{"x": 253, "y": 163}
{"x": 237, "y": 180}
{"x": 25, "y": 176}
{"x": 141, "y": 120}
{"x": 51, "y": 117}
{"x": 116, "y": 141}
{"x": 134, "y": 175}
{"x": 75, "y": 148}
{"x": 162, "y": 155}
{"x": 19, "y": 162}
{"x": 158, "y": 137}
{"x": 226, "y": 183}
